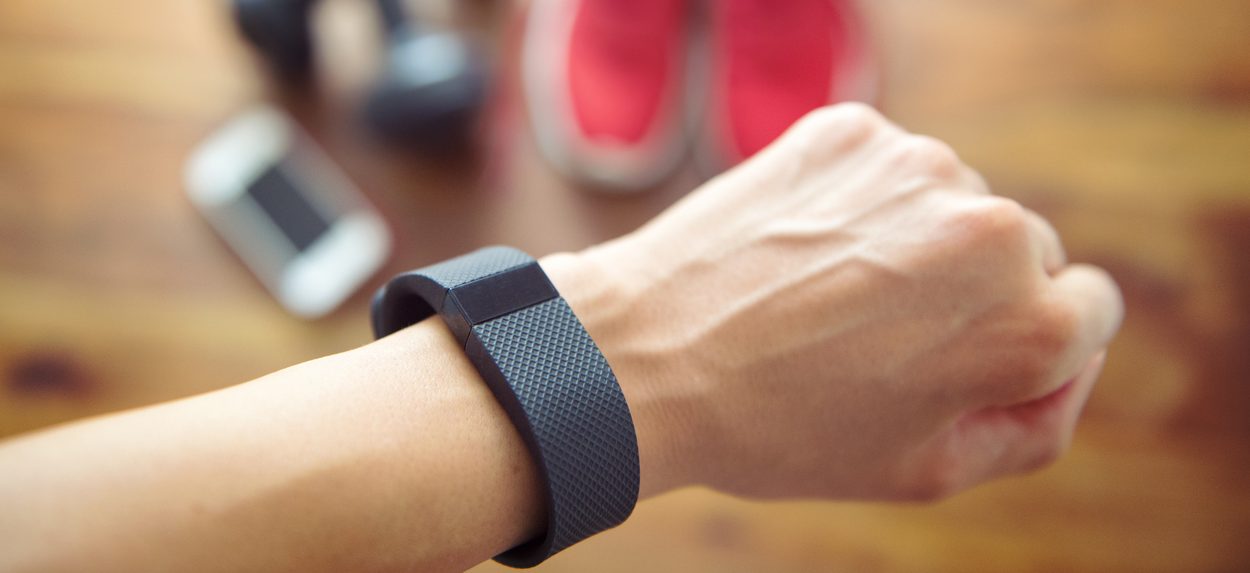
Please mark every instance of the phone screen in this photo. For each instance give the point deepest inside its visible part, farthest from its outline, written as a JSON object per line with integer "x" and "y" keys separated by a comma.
{"x": 277, "y": 191}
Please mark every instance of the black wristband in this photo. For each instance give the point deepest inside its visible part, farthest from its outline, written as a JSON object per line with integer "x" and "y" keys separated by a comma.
{"x": 545, "y": 370}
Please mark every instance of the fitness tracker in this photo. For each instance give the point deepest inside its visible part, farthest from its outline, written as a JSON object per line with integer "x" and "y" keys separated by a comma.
{"x": 551, "y": 379}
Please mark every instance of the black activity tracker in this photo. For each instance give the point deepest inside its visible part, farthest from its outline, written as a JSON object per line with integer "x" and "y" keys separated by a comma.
{"x": 548, "y": 374}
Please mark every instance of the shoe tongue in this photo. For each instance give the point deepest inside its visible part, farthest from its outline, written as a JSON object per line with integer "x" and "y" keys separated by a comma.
{"x": 779, "y": 60}
{"x": 622, "y": 58}
{"x": 631, "y": 21}
{"x": 790, "y": 28}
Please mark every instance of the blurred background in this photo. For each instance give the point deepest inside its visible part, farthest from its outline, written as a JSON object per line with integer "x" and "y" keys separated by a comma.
{"x": 1126, "y": 122}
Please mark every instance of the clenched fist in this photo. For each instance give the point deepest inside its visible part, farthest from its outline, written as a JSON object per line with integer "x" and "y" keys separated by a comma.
{"x": 850, "y": 314}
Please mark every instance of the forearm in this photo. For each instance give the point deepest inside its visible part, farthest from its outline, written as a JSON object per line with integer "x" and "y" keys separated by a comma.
{"x": 393, "y": 456}
{"x": 848, "y": 315}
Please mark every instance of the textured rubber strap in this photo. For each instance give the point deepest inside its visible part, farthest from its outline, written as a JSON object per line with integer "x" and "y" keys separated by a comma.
{"x": 545, "y": 370}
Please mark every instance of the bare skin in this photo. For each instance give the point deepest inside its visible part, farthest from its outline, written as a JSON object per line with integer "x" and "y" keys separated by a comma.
{"x": 848, "y": 315}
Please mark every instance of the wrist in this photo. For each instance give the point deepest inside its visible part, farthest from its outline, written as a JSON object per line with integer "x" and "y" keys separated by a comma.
{"x": 665, "y": 401}
{"x": 554, "y": 385}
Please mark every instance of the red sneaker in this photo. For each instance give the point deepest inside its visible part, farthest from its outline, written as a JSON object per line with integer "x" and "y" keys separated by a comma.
{"x": 771, "y": 63}
{"x": 605, "y": 82}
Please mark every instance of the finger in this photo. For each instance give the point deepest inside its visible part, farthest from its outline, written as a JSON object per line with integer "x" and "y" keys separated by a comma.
{"x": 833, "y": 129}
{"x": 1083, "y": 313}
{"x": 1096, "y": 306}
{"x": 1046, "y": 243}
{"x": 1074, "y": 319}
{"x": 1043, "y": 428}
{"x": 972, "y": 181}
{"x": 1004, "y": 440}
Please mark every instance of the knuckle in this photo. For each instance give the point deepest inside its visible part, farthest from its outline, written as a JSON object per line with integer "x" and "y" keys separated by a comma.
{"x": 1039, "y": 346}
{"x": 841, "y": 125}
{"x": 1054, "y": 331}
{"x": 997, "y": 220}
{"x": 929, "y": 156}
{"x": 850, "y": 113}
{"x": 1030, "y": 369}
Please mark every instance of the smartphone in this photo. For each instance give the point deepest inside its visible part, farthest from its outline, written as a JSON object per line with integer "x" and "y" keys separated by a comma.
{"x": 290, "y": 214}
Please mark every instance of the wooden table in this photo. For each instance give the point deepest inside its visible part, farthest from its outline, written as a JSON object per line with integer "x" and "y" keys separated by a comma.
{"x": 1127, "y": 122}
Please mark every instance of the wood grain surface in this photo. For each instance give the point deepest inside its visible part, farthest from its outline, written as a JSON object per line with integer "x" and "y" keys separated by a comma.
{"x": 1127, "y": 122}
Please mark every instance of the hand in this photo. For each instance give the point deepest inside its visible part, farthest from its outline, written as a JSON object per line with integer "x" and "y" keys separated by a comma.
{"x": 849, "y": 314}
